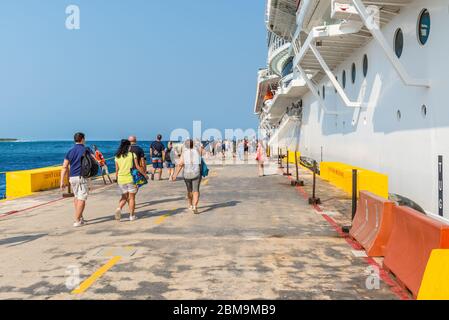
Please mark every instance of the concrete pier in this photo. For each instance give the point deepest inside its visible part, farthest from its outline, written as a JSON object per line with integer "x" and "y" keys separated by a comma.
{"x": 255, "y": 238}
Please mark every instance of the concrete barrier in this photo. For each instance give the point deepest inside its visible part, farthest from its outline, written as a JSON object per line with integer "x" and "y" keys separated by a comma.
{"x": 23, "y": 183}
{"x": 412, "y": 239}
{"x": 373, "y": 223}
{"x": 340, "y": 175}
{"x": 435, "y": 283}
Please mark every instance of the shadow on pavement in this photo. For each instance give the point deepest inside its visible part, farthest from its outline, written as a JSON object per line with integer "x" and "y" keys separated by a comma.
{"x": 16, "y": 241}
{"x": 218, "y": 205}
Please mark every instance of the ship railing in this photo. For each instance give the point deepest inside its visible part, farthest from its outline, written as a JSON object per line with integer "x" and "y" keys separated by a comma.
{"x": 275, "y": 42}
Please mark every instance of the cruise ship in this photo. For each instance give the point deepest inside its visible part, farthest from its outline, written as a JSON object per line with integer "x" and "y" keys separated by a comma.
{"x": 362, "y": 83}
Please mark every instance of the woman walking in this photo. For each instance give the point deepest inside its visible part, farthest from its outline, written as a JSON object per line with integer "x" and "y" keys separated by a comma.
{"x": 169, "y": 160}
{"x": 125, "y": 161}
{"x": 260, "y": 158}
{"x": 191, "y": 163}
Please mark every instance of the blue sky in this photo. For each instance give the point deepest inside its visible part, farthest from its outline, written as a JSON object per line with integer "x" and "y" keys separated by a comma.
{"x": 135, "y": 66}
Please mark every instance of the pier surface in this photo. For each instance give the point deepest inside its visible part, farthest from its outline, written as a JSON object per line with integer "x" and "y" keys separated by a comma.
{"x": 255, "y": 238}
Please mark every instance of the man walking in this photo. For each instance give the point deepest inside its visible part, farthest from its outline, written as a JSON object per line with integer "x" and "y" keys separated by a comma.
{"x": 79, "y": 184}
{"x": 138, "y": 151}
{"x": 157, "y": 156}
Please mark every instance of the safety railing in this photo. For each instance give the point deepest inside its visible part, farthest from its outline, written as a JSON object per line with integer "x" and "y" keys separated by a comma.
{"x": 274, "y": 43}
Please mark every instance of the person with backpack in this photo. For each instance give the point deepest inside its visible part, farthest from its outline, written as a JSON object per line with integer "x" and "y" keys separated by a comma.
{"x": 157, "y": 156}
{"x": 81, "y": 165}
{"x": 125, "y": 162}
{"x": 191, "y": 163}
{"x": 170, "y": 157}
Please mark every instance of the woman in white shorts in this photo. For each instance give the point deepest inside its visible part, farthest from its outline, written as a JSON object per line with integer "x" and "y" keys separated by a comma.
{"x": 124, "y": 162}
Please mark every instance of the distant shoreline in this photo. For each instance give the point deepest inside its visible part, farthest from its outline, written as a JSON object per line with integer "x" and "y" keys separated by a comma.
{"x": 8, "y": 140}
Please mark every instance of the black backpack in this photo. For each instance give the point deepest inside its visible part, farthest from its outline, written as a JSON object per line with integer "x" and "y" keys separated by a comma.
{"x": 89, "y": 167}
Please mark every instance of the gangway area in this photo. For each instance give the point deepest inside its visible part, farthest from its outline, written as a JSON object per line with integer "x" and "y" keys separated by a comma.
{"x": 255, "y": 238}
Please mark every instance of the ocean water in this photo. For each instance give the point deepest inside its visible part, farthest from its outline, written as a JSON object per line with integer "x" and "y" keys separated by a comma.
{"x": 30, "y": 155}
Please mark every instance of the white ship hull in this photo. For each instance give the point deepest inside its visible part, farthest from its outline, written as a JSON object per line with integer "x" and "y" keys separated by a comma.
{"x": 392, "y": 133}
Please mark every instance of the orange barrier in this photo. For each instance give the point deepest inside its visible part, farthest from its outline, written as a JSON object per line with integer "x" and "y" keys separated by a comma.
{"x": 373, "y": 223}
{"x": 412, "y": 240}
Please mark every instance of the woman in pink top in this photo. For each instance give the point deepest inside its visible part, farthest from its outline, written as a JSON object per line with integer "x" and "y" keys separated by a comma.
{"x": 260, "y": 157}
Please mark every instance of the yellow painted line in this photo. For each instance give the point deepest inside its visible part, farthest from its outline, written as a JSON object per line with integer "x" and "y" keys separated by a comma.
{"x": 94, "y": 277}
{"x": 165, "y": 216}
{"x": 205, "y": 182}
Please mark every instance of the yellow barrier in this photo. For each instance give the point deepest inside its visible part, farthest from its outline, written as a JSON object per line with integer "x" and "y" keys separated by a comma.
{"x": 340, "y": 175}
{"x": 291, "y": 156}
{"x": 23, "y": 183}
{"x": 435, "y": 283}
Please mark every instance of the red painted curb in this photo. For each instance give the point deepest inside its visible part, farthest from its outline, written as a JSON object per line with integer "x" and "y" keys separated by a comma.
{"x": 397, "y": 290}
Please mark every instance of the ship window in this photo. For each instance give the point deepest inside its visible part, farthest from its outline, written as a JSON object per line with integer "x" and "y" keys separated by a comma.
{"x": 365, "y": 65}
{"x": 424, "y": 110}
{"x": 353, "y": 73}
{"x": 336, "y": 78}
{"x": 324, "y": 92}
{"x": 424, "y": 26}
{"x": 343, "y": 76}
{"x": 398, "y": 42}
{"x": 399, "y": 115}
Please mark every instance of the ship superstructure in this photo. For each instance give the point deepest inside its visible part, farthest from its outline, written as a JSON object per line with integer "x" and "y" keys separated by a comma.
{"x": 365, "y": 83}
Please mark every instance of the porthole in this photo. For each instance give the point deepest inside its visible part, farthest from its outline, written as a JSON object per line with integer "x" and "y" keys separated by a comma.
{"x": 398, "y": 42}
{"x": 424, "y": 110}
{"x": 399, "y": 115}
{"x": 343, "y": 76}
{"x": 353, "y": 73}
{"x": 324, "y": 92}
{"x": 424, "y": 27}
{"x": 365, "y": 65}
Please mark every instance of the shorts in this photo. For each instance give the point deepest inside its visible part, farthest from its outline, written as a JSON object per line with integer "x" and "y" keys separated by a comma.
{"x": 170, "y": 164}
{"x": 157, "y": 163}
{"x": 104, "y": 169}
{"x": 193, "y": 185}
{"x": 80, "y": 188}
{"x": 127, "y": 188}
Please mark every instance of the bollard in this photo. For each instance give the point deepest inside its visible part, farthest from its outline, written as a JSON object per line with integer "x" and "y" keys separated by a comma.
{"x": 288, "y": 166}
{"x": 346, "y": 229}
{"x": 314, "y": 200}
{"x": 69, "y": 193}
{"x": 281, "y": 159}
{"x": 297, "y": 182}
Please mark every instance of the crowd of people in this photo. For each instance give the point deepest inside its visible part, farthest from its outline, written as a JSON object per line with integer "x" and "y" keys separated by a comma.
{"x": 81, "y": 163}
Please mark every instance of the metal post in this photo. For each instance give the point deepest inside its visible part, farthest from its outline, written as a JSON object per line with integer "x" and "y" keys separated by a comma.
{"x": 288, "y": 164}
{"x": 69, "y": 193}
{"x": 314, "y": 200}
{"x": 354, "y": 193}
{"x": 347, "y": 229}
{"x": 297, "y": 182}
{"x": 281, "y": 159}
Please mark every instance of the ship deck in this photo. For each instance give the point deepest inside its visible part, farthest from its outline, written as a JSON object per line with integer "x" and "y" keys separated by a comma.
{"x": 255, "y": 238}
